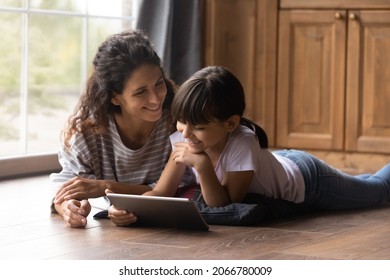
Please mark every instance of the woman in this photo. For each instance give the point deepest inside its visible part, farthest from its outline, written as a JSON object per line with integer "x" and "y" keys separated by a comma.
{"x": 118, "y": 137}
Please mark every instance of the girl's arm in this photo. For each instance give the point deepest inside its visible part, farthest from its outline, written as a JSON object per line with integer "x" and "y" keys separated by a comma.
{"x": 237, "y": 184}
{"x": 234, "y": 185}
{"x": 232, "y": 189}
{"x": 170, "y": 179}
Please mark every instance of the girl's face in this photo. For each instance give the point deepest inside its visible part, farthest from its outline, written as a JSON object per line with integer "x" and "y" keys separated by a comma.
{"x": 211, "y": 136}
{"x": 143, "y": 95}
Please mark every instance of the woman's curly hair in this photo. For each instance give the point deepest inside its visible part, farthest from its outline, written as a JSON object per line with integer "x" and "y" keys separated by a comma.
{"x": 115, "y": 60}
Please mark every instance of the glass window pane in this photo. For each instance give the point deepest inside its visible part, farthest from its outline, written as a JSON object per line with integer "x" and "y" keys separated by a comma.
{"x": 63, "y": 5}
{"x": 54, "y": 77}
{"x": 99, "y": 29}
{"x": 12, "y": 3}
{"x": 10, "y": 69}
{"x": 116, "y": 8}
{"x": 59, "y": 49}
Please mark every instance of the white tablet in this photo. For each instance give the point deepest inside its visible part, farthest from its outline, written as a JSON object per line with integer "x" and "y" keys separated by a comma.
{"x": 161, "y": 211}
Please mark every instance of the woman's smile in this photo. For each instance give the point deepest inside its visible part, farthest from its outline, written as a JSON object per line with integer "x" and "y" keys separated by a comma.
{"x": 154, "y": 108}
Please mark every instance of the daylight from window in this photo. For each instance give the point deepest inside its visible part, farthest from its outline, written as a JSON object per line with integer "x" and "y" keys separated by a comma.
{"x": 45, "y": 55}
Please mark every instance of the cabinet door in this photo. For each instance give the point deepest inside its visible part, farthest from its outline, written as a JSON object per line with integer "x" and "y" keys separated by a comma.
{"x": 311, "y": 79}
{"x": 368, "y": 82}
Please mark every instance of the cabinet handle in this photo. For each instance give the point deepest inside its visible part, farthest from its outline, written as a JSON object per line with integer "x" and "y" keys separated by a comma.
{"x": 338, "y": 15}
{"x": 352, "y": 16}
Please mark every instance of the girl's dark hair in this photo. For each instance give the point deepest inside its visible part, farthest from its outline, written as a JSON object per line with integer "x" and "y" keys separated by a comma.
{"x": 213, "y": 93}
{"x": 115, "y": 61}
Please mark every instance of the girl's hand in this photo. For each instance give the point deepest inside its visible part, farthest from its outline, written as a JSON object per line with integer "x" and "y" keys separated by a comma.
{"x": 120, "y": 217}
{"x": 182, "y": 154}
{"x": 80, "y": 188}
{"x": 75, "y": 212}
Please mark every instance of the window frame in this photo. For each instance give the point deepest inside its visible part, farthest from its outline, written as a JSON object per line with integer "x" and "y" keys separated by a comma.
{"x": 25, "y": 164}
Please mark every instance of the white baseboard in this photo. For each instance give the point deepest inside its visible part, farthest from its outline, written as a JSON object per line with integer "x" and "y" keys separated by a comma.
{"x": 15, "y": 167}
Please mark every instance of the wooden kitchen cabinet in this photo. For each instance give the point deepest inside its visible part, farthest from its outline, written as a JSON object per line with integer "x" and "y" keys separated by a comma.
{"x": 368, "y": 81}
{"x": 316, "y": 72}
{"x": 311, "y": 79}
{"x": 333, "y": 82}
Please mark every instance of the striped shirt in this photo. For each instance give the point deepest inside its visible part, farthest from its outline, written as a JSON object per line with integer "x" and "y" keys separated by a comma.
{"x": 104, "y": 156}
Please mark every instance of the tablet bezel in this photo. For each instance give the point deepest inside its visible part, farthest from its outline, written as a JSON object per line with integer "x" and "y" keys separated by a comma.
{"x": 158, "y": 211}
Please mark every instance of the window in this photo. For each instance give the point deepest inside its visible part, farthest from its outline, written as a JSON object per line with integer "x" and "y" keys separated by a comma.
{"x": 46, "y": 51}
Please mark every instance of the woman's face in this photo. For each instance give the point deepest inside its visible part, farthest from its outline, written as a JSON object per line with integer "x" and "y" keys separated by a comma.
{"x": 143, "y": 94}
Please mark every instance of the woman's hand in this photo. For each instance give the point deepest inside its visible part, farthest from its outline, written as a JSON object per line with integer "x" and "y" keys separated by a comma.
{"x": 120, "y": 217}
{"x": 80, "y": 188}
{"x": 75, "y": 212}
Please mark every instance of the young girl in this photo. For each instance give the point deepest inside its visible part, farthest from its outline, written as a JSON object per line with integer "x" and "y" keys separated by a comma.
{"x": 228, "y": 161}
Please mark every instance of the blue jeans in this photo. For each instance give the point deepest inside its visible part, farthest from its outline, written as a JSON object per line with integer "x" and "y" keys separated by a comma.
{"x": 327, "y": 188}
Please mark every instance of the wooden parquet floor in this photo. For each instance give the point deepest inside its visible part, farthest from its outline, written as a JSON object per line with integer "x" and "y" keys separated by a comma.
{"x": 29, "y": 231}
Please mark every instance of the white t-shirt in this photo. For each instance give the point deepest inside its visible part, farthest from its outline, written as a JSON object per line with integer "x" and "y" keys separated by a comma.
{"x": 274, "y": 176}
